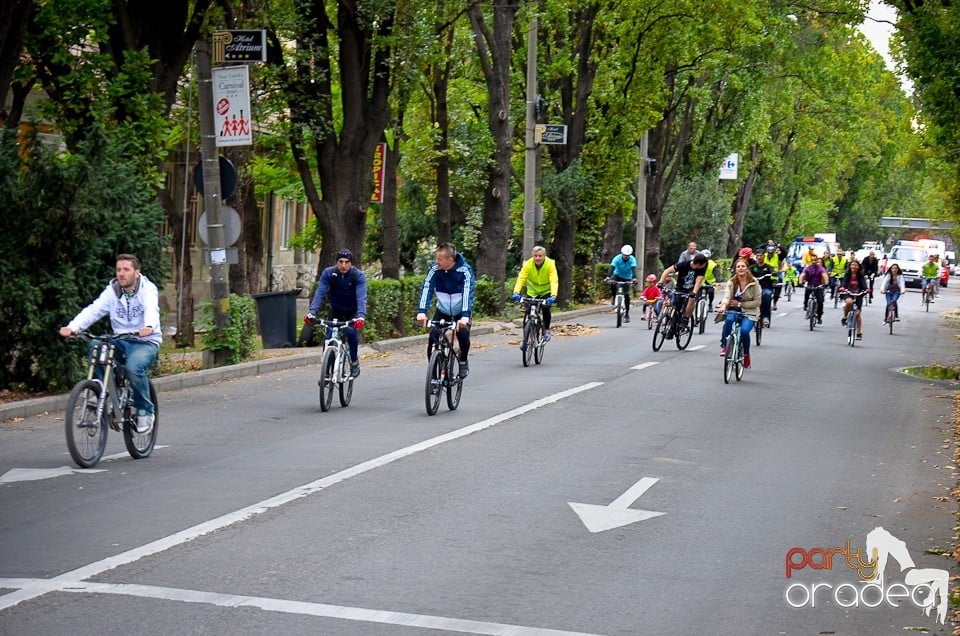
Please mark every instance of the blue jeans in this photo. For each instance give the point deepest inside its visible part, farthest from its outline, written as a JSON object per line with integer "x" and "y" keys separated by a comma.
{"x": 136, "y": 356}
{"x": 892, "y": 297}
{"x": 746, "y": 325}
{"x": 766, "y": 295}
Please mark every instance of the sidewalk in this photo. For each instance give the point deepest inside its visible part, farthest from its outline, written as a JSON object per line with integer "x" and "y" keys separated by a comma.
{"x": 304, "y": 357}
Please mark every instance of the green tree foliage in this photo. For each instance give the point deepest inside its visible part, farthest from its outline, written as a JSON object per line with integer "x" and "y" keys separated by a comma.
{"x": 65, "y": 217}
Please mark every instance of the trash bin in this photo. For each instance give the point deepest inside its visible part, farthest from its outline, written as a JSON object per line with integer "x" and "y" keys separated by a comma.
{"x": 277, "y": 312}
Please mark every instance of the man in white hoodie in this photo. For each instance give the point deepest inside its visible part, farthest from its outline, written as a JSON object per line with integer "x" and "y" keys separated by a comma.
{"x": 133, "y": 304}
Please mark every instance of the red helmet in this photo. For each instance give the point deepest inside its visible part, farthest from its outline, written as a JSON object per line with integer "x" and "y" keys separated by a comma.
{"x": 745, "y": 253}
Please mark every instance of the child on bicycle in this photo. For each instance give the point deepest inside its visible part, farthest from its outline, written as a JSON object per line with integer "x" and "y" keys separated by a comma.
{"x": 652, "y": 295}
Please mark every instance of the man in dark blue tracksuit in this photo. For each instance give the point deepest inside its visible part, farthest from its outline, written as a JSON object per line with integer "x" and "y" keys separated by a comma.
{"x": 347, "y": 289}
{"x": 451, "y": 280}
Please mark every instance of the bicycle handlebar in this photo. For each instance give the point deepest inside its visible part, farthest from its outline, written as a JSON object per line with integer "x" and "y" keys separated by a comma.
{"x": 333, "y": 322}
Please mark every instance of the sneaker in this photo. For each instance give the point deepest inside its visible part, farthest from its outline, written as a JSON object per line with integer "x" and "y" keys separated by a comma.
{"x": 546, "y": 336}
{"x": 746, "y": 361}
{"x": 354, "y": 369}
{"x": 723, "y": 351}
{"x": 843, "y": 321}
{"x": 464, "y": 369}
{"x": 626, "y": 318}
{"x": 819, "y": 321}
{"x": 859, "y": 336}
{"x": 775, "y": 308}
{"x": 144, "y": 422}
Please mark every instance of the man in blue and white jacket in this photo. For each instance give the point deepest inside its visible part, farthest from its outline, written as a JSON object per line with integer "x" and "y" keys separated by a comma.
{"x": 133, "y": 304}
{"x": 451, "y": 280}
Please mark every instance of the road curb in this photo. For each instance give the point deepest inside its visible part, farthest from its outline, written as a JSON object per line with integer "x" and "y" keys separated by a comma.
{"x": 51, "y": 403}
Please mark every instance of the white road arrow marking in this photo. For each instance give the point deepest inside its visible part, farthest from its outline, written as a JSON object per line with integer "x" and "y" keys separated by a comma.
{"x": 618, "y": 513}
{"x": 33, "y": 474}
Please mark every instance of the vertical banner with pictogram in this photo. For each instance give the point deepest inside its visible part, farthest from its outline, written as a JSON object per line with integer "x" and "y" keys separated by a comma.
{"x": 379, "y": 166}
{"x": 231, "y": 106}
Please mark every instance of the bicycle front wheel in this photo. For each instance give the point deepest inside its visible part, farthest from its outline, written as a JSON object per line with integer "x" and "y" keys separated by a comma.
{"x": 454, "y": 382}
{"x": 619, "y": 310}
{"x": 86, "y": 435}
{"x": 758, "y": 329}
{"x": 663, "y": 325}
{"x": 346, "y": 387}
{"x": 812, "y": 313}
{"x": 788, "y": 291}
{"x": 328, "y": 377}
{"x": 141, "y": 445}
{"x": 650, "y": 318}
{"x": 434, "y": 384}
{"x": 540, "y": 343}
{"x": 529, "y": 343}
{"x": 730, "y": 359}
{"x": 739, "y": 360}
{"x": 702, "y": 315}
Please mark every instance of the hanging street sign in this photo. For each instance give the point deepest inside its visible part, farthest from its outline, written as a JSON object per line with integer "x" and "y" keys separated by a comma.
{"x": 555, "y": 134}
{"x": 231, "y": 106}
{"x": 240, "y": 46}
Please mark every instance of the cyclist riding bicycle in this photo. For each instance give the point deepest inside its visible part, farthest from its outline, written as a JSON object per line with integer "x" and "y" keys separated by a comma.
{"x": 743, "y": 294}
{"x": 623, "y": 268}
{"x": 451, "y": 280}
{"x": 815, "y": 278}
{"x": 853, "y": 282}
{"x": 709, "y": 279}
{"x": 652, "y": 294}
{"x": 771, "y": 258}
{"x": 539, "y": 275}
{"x": 837, "y": 270}
{"x": 689, "y": 280}
{"x": 871, "y": 268}
{"x": 790, "y": 275}
{"x": 133, "y": 304}
{"x": 891, "y": 286}
{"x": 930, "y": 273}
{"x": 346, "y": 287}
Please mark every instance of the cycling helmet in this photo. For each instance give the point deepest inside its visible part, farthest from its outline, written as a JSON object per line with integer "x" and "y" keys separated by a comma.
{"x": 771, "y": 248}
{"x": 626, "y": 250}
{"x": 651, "y": 278}
{"x": 345, "y": 254}
{"x": 707, "y": 253}
{"x": 745, "y": 253}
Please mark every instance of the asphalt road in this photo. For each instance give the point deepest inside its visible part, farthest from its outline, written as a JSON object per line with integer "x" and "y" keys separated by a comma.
{"x": 260, "y": 514}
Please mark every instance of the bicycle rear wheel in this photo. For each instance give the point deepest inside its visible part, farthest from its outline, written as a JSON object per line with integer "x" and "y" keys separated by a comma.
{"x": 529, "y": 343}
{"x": 684, "y": 331}
{"x": 141, "y": 445}
{"x": 453, "y": 381}
{"x": 434, "y": 385}
{"x": 328, "y": 364}
{"x": 729, "y": 360}
{"x": 346, "y": 384}
{"x": 540, "y": 344}
{"x": 86, "y": 435}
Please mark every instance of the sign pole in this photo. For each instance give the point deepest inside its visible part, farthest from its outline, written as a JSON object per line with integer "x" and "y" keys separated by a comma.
{"x": 642, "y": 209}
{"x": 211, "y": 203}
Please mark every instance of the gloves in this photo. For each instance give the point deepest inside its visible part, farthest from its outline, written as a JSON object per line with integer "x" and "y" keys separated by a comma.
{"x": 516, "y": 298}
{"x": 359, "y": 322}
{"x": 551, "y": 300}
{"x": 308, "y": 319}
{"x": 842, "y": 290}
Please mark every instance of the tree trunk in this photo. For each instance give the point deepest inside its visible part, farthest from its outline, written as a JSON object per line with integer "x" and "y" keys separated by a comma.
{"x": 613, "y": 237}
{"x": 14, "y": 18}
{"x": 389, "y": 229}
{"x": 495, "y": 51}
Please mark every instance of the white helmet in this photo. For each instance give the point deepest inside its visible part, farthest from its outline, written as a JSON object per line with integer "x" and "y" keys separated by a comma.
{"x": 626, "y": 250}
{"x": 706, "y": 253}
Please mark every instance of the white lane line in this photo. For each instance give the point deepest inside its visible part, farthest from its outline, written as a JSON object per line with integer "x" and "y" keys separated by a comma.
{"x": 302, "y": 608}
{"x": 696, "y": 347}
{"x": 165, "y": 543}
{"x": 644, "y": 365}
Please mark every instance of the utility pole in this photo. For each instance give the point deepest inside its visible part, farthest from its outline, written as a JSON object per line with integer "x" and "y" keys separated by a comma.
{"x": 530, "y": 156}
{"x": 219, "y": 293}
{"x": 642, "y": 208}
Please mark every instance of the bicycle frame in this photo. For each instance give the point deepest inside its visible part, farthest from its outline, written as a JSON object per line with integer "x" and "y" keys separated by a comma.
{"x": 853, "y": 314}
{"x": 113, "y": 393}
{"x": 335, "y": 339}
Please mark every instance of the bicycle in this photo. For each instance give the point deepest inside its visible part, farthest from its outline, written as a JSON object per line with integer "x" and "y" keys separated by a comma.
{"x": 649, "y": 314}
{"x": 700, "y": 312}
{"x": 926, "y": 295}
{"x": 813, "y": 305}
{"x": 734, "y": 358}
{"x": 443, "y": 368}
{"x": 852, "y": 315}
{"x": 94, "y": 405}
{"x": 788, "y": 289}
{"x": 891, "y": 315}
{"x": 334, "y": 364}
{"x": 870, "y": 278}
{"x": 673, "y": 323}
{"x": 620, "y": 298}
{"x": 533, "y": 330}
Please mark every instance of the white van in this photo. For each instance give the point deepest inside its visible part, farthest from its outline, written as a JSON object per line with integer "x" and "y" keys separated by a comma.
{"x": 910, "y": 256}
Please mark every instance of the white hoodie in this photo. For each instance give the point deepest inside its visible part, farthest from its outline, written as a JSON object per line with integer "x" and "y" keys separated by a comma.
{"x": 128, "y": 313}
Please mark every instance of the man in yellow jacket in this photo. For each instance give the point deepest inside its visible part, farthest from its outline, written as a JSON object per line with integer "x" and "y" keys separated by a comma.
{"x": 539, "y": 275}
